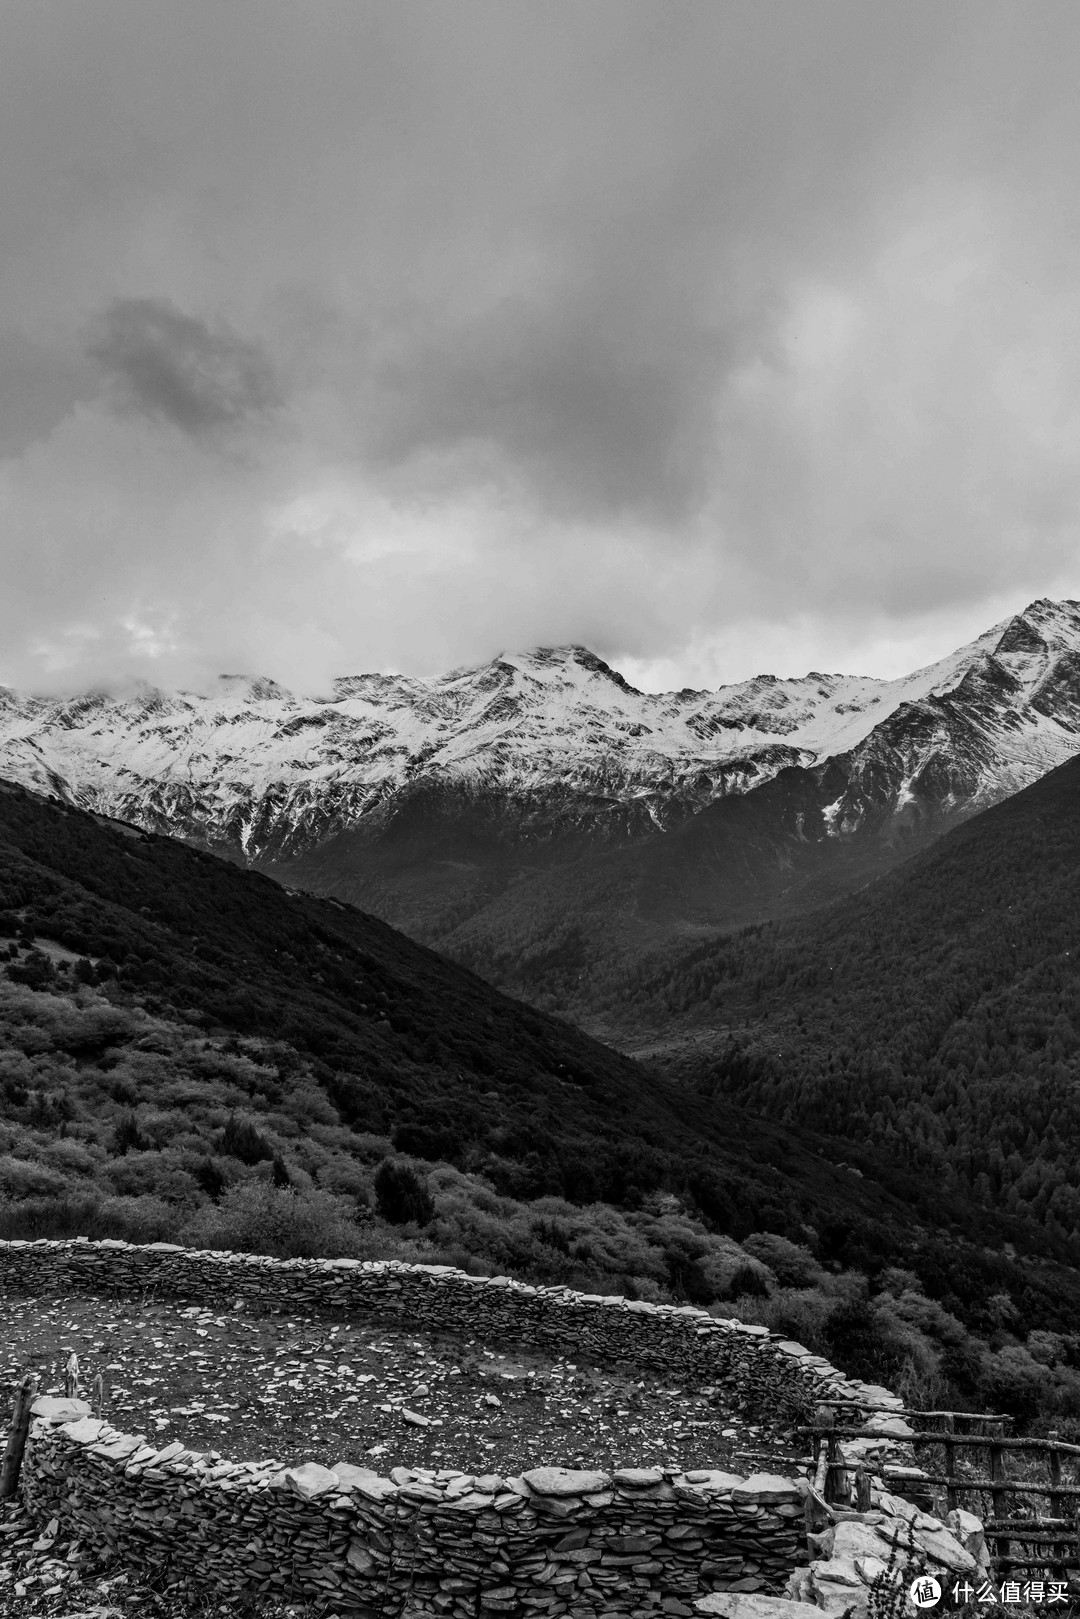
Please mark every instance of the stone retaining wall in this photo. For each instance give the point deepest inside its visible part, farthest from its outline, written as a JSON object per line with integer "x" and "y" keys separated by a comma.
{"x": 552, "y": 1541}
{"x": 423, "y": 1542}
{"x": 757, "y": 1367}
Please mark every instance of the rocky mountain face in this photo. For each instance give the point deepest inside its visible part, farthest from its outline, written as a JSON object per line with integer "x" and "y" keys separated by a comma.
{"x": 538, "y": 817}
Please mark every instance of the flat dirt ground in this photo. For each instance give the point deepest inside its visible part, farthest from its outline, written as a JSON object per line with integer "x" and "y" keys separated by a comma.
{"x": 290, "y": 1389}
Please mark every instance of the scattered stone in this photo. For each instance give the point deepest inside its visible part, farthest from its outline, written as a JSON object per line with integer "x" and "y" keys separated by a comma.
{"x": 555, "y": 1540}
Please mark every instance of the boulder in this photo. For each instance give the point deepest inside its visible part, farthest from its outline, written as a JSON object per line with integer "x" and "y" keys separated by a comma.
{"x": 565, "y": 1481}
{"x": 749, "y": 1605}
{"x": 56, "y": 1409}
{"x": 84, "y": 1431}
{"x": 838, "y": 1589}
{"x": 850, "y": 1540}
{"x": 765, "y": 1487}
{"x": 968, "y": 1530}
{"x": 894, "y": 1427}
{"x": 310, "y": 1480}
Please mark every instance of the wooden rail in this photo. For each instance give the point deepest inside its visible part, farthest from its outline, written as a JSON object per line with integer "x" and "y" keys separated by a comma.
{"x": 1058, "y": 1533}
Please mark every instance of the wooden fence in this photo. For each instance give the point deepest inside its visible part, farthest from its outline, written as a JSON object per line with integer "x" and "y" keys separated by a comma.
{"x": 1051, "y": 1542}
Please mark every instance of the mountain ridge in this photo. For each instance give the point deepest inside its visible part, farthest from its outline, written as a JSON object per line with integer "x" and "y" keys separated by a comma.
{"x": 489, "y": 810}
{"x": 465, "y": 721}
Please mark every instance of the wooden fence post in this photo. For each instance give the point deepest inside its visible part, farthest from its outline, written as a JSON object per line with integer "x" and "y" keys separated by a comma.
{"x": 948, "y": 1423}
{"x": 862, "y": 1490}
{"x": 20, "y": 1427}
{"x": 1058, "y": 1509}
{"x": 997, "y": 1493}
{"x": 834, "y": 1471}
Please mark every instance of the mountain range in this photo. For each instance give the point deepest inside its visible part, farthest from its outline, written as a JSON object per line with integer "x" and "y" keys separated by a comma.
{"x": 539, "y": 819}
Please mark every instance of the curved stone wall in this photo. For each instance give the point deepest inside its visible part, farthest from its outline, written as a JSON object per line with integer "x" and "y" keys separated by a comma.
{"x": 639, "y": 1541}
{"x": 552, "y": 1541}
{"x": 753, "y": 1363}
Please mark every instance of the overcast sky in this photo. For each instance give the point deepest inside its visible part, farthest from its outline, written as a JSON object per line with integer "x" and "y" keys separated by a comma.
{"x": 720, "y": 337}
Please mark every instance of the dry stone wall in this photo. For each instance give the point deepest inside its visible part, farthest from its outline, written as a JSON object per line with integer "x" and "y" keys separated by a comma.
{"x": 757, "y": 1367}
{"x": 552, "y": 1541}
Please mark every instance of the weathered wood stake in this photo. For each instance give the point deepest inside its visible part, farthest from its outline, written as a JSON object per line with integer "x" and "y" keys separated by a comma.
{"x": 997, "y": 1474}
{"x": 949, "y": 1426}
{"x": 20, "y": 1427}
{"x": 862, "y": 1490}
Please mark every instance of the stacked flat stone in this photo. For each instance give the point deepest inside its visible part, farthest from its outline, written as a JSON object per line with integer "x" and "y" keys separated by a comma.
{"x": 639, "y": 1541}
{"x": 552, "y": 1541}
{"x": 751, "y": 1364}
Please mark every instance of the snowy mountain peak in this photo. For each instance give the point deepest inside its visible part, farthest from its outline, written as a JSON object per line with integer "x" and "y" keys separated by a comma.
{"x": 252, "y": 689}
{"x": 255, "y": 767}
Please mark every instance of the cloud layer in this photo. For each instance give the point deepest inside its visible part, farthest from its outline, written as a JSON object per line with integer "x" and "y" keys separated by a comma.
{"x": 719, "y": 338}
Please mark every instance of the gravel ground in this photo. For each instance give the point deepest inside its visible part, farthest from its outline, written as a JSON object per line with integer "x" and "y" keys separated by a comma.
{"x": 295, "y": 1389}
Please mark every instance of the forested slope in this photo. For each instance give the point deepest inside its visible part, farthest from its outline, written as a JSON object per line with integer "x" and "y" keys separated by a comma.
{"x": 935, "y": 1014}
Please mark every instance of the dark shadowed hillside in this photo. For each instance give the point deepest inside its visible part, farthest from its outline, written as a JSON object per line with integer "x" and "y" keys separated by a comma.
{"x": 189, "y": 1051}
{"x": 398, "y": 1039}
{"x": 935, "y": 1014}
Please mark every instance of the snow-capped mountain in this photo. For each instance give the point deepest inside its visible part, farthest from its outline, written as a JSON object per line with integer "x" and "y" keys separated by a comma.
{"x": 488, "y": 809}
{"x": 264, "y": 772}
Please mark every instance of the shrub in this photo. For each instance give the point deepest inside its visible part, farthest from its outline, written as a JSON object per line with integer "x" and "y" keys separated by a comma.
{"x": 239, "y": 1139}
{"x": 714, "y": 1199}
{"x": 35, "y": 970}
{"x": 152, "y": 1174}
{"x": 127, "y": 1136}
{"x": 401, "y": 1196}
{"x": 21, "y": 1178}
{"x": 257, "y": 1217}
{"x": 792, "y": 1265}
{"x": 1011, "y": 1380}
{"x": 131, "y": 1219}
{"x": 748, "y": 1281}
{"x": 859, "y": 1345}
{"x": 209, "y": 1178}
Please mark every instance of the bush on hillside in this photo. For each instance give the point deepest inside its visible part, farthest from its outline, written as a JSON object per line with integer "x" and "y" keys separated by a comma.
{"x": 19, "y": 1178}
{"x": 127, "y": 1137}
{"x": 257, "y": 1217}
{"x": 401, "y": 1196}
{"x": 791, "y": 1264}
{"x": 241, "y": 1140}
{"x": 209, "y": 1177}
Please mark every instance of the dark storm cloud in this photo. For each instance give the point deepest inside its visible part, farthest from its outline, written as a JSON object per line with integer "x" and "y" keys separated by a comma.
{"x": 631, "y": 324}
{"x": 168, "y": 364}
{"x": 592, "y": 415}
